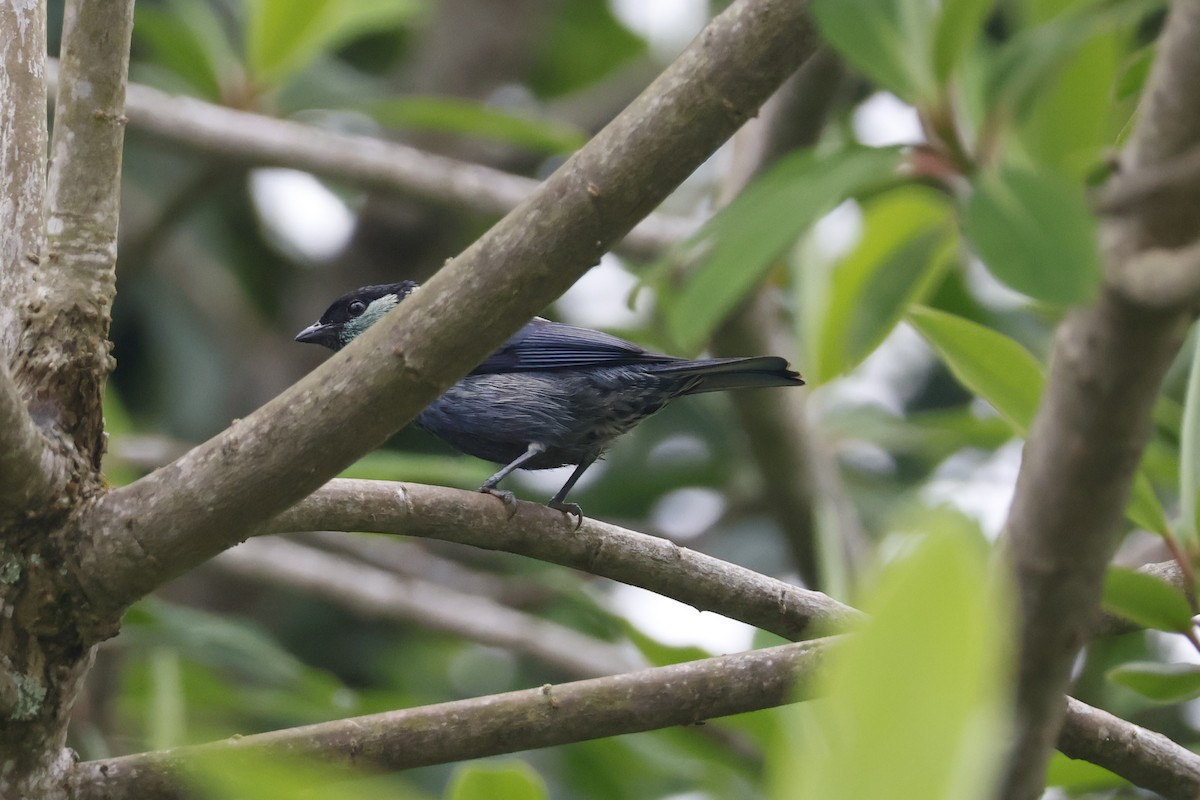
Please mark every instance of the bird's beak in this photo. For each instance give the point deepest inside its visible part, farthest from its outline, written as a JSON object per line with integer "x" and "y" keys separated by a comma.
{"x": 326, "y": 335}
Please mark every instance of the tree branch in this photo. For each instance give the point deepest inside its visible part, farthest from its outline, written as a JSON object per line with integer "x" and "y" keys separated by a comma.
{"x": 555, "y": 715}
{"x": 1142, "y": 757}
{"x": 597, "y": 548}
{"x": 23, "y": 137}
{"x": 241, "y": 136}
{"x": 1161, "y": 278}
{"x": 415, "y": 560}
{"x": 377, "y": 594}
{"x": 63, "y": 355}
{"x": 682, "y": 694}
{"x": 173, "y": 519}
{"x": 30, "y": 472}
{"x": 1087, "y": 439}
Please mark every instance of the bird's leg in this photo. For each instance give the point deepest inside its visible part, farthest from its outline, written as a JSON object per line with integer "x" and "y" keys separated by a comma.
{"x": 559, "y": 503}
{"x": 510, "y": 500}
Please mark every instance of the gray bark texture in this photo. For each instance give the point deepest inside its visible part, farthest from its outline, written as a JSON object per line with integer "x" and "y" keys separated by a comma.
{"x": 1086, "y": 442}
{"x": 57, "y": 273}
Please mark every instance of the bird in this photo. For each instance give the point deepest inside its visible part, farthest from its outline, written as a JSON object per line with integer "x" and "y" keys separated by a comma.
{"x": 553, "y": 395}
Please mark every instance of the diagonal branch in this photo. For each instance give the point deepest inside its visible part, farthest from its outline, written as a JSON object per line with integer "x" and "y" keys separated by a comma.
{"x": 1086, "y": 442}
{"x": 63, "y": 357}
{"x": 597, "y": 548}
{"x": 173, "y": 519}
{"x": 682, "y": 694}
{"x": 241, "y": 136}
{"x": 379, "y": 594}
{"x": 1143, "y": 757}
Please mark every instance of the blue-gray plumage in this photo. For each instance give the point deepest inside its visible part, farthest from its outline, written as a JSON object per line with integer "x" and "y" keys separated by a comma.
{"x": 553, "y": 394}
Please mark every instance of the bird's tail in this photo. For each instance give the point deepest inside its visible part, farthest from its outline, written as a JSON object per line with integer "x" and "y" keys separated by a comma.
{"x": 718, "y": 374}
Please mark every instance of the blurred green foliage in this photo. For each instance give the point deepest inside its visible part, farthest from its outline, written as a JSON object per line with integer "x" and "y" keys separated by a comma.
{"x": 978, "y": 238}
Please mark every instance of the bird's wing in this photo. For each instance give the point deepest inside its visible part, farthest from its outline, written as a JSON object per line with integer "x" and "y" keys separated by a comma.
{"x": 544, "y": 345}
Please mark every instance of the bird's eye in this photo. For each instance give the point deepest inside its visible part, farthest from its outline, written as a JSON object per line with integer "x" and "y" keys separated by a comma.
{"x": 357, "y": 307}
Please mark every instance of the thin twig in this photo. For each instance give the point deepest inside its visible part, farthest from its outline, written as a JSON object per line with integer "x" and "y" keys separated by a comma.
{"x": 414, "y": 560}
{"x": 378, "y": 594}
{"x": 240, "y": 136}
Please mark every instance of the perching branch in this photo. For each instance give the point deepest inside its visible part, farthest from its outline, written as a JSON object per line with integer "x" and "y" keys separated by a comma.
{"x": 699, "y": 580}
{"x": 597, "y": 548}
{"x": 1086, "y": 442}
{"x": 175, "y": 518}
{"x": 377, "y": 594}
{"x": 240, "y": 136}
{"x": 682, "y": 694}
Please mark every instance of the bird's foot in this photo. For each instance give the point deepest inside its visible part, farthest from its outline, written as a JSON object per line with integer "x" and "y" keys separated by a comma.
{"x": 568, "y": 509}
{"x": 510, "y": 499}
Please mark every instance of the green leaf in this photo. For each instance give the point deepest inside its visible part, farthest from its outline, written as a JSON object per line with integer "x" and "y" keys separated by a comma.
{"x": 988, "y": 363}
{"x": 920, "y": 686}
{"x": 187, "y": 38}
{"x": 743, "y": 241}
{"x": 168, "y": 718}
{"x": 583, "y": 43}
{"x": 1164, "y": 683}
{"x": 284, "y": 36}
{"x": 1146, "y": 600}
{"x": 1006, "y": 375}
{"x": 1035, "y": 233}
{"x": 1134, "y": 71}
{"x": 1078, "y": 776}
{"x": 452, "y": 115}
{"x": 393, "y": 465}
{"x": 1189, "y": 456}
{"x": 888, "y": 40}
{"x": 958, "y": 27}
{"x": 1030, "y": 60}
{"x": 1144, "y": 509}
{"x": 906, "y": 241}
{"x": 210, "y": 639}
{"x": 510, "y": 780}
{"x": 1071, "y": 120}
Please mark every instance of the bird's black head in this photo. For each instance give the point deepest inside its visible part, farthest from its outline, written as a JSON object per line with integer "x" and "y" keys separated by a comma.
{"x": 353, "y": 313}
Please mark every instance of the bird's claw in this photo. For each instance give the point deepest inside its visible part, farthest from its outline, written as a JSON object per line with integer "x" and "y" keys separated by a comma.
{"x": 510, "y": 499}
{"x": 568, "y": 509}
